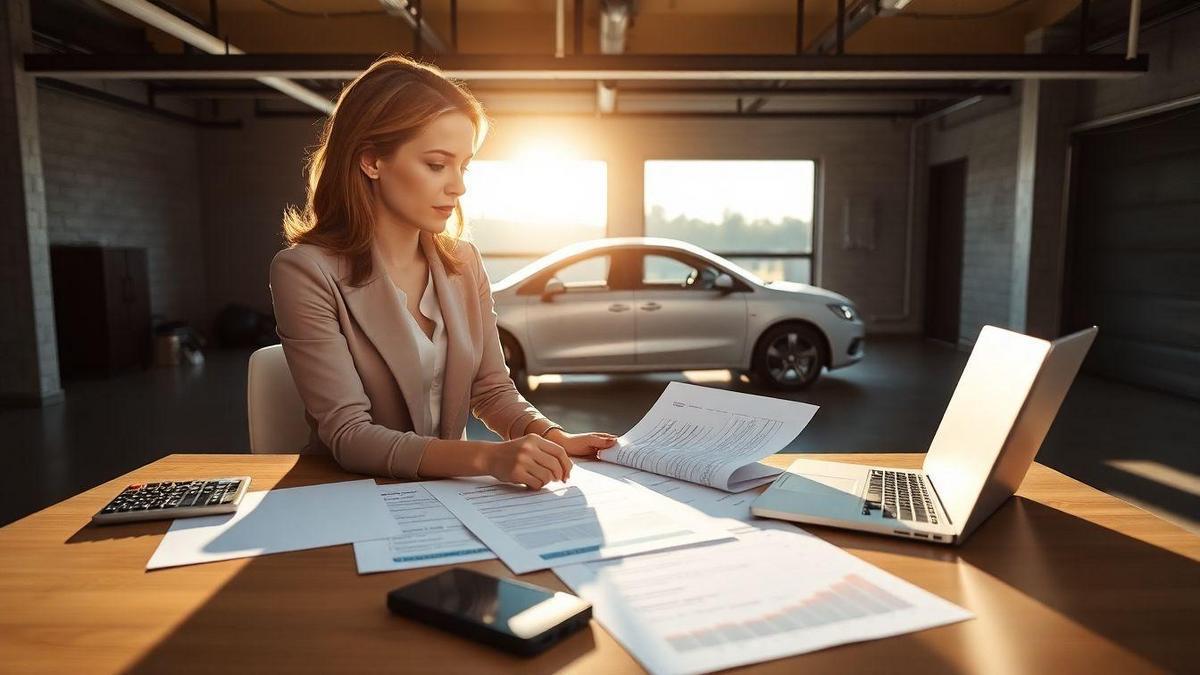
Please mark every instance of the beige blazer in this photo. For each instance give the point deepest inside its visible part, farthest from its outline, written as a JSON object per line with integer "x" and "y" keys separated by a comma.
{"x": 357, "y": 367}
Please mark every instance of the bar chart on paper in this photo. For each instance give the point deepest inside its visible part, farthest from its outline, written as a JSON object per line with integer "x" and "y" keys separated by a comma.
{"x": 851, "y": 598}
{"x": 776, "y": 591}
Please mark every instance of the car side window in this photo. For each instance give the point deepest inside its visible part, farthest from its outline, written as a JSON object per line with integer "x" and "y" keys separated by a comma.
{"x": 667, "y": 272}
{"x": 587, "y": 274}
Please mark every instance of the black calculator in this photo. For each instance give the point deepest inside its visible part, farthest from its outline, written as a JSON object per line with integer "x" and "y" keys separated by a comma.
{"x": 174, "y": 499}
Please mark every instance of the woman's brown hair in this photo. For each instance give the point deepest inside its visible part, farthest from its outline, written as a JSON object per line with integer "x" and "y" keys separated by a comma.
{"x": 381, "y": 109}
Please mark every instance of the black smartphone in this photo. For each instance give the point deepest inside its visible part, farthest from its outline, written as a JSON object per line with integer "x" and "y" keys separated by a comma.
{"x": 515, "y": 616}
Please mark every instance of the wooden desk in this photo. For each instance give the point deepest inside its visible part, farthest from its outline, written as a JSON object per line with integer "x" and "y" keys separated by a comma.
{"x": 1063, "y": 579}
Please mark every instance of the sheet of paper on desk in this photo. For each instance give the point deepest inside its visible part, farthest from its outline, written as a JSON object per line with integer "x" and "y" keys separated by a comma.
{"x": 274, "y": 521}
{"x": 430, "y": 534}
{"x": 710, "y": 436}
{"x": 774, "y": 592}
{"x": 731, "y": 507}
{"x": 589, "y": 517}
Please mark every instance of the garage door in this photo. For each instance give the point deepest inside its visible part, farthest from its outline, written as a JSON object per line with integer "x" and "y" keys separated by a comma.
{"x": 1134, "y": 263}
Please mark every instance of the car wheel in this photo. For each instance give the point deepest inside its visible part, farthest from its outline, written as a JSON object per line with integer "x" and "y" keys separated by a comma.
{"x": 790, "y": 357}
{"x": 515, "y": 358}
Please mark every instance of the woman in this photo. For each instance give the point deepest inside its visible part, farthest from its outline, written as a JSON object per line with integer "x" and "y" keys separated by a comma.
{"x": 386, "y": 317}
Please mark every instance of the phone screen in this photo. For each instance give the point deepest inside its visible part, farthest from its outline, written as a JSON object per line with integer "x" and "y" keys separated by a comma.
{"x": 515, "y": 608}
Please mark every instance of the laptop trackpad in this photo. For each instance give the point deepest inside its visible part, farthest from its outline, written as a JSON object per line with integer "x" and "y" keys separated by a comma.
{"x": 816, "y": 484}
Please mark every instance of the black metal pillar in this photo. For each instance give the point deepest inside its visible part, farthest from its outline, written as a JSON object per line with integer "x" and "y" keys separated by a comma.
{"x": 799, "y": 26}
{"x": 841, "y": 27}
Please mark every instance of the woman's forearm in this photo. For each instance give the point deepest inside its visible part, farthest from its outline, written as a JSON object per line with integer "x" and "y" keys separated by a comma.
{"x": 445, "y": 458}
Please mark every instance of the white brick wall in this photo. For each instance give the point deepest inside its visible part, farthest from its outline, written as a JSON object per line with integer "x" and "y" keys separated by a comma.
{"x": 989, "y": 144}
{"x": 123, "y": 178}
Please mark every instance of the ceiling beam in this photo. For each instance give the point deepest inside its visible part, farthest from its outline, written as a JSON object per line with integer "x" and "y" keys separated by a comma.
{"x": 201, "y": 39}
{"x": 807, "y": 93}
{"x": 602, "y": 67}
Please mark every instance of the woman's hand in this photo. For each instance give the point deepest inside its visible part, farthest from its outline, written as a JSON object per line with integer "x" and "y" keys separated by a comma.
{"x": 582, "y": 445}
{"x": 529, "y": 459}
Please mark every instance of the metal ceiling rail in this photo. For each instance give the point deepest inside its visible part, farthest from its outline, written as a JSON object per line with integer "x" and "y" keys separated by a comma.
{"x": 215, "y": 46}
{"x": 603, "y": 67}
{"x": 807, "y": 93}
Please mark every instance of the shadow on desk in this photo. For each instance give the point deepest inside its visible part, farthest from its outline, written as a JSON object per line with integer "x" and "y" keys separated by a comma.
{"x": 310, "y": 611}
{"x": 1070, "y": 568}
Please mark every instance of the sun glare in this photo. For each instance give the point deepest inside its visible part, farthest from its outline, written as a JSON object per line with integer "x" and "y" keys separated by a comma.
{"x": 537, "y": 203}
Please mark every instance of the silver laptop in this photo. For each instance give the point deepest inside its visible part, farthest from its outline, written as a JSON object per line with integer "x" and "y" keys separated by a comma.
{"x": 1005, "y": 401}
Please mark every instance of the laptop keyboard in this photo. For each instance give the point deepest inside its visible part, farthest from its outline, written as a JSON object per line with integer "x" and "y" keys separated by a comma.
{"x": 899, "y": 495}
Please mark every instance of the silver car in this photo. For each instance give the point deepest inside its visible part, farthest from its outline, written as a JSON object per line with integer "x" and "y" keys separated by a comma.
{"x": 638, "y": 304}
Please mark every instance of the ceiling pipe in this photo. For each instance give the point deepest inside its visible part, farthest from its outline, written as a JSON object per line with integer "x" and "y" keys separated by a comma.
{"x": 197, "y": 37}
{"x": 560, "y": 29}
{"x": 411, "y": 13}
{"x": 852, "y": 18}
{"x": 1135, "y": 19}
{"x": 615, "y": 17}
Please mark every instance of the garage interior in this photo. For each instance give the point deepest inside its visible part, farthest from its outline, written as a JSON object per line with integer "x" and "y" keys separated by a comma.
{"x": 1033, "y": 165}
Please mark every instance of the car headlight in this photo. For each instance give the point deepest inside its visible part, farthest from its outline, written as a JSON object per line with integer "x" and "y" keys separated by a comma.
{"x": 846, "y": 312}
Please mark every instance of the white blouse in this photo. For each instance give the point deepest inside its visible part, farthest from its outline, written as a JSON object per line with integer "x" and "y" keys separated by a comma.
{"x": 432, "y": 351}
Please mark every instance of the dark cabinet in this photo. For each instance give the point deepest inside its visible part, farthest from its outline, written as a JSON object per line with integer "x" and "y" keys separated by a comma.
{"x": 101, "y": 309}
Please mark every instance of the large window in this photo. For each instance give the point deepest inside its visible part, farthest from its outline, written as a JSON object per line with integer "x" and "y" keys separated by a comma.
{"x": 756, "y": 213}
{"x": 520, "y": 210}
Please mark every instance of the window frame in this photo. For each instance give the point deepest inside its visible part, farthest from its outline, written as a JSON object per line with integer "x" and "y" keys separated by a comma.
{"x": 813, "y": 257}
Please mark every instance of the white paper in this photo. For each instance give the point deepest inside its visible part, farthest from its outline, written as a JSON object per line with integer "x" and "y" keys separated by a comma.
{"x": 430, "y": 534}
{"x": 589, "y": 517}
{"x": 711, "y": 436}
{"x": 274, "y": 521}
{"x": 733, "y": 508}
{"x": 772, "y": 593}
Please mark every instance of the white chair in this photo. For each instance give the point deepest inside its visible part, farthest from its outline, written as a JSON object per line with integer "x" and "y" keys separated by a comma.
{"x": 273, "y": 405}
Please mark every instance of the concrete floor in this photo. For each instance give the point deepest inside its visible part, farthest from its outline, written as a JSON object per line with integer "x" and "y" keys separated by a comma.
{"x": 1130, "y": 442}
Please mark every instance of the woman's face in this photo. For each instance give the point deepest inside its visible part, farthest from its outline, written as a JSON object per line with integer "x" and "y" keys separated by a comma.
{"x": 420, "y": 182}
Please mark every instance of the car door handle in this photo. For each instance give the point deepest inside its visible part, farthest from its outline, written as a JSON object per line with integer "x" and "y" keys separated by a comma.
{"x": 651, "y": 306}
{"x": 618, "y": 308}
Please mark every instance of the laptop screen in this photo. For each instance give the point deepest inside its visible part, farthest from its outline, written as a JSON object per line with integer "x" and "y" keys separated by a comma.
{"x": 994, "y": 385}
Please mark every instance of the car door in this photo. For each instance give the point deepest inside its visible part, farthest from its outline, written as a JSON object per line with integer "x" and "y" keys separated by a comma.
{"x": 683, "y": 320}
{"x": 590, "y": 324}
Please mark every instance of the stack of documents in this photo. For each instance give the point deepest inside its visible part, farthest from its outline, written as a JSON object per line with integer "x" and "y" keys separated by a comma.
{"x": 656, "y": 533}
{"x": 590, "y": 518}
{"x": 711, "y": 436}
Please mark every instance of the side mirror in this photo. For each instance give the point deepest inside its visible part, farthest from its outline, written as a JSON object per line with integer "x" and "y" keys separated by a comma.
{"x": 724, "y": 282}
{"x": 553, "y": 287}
